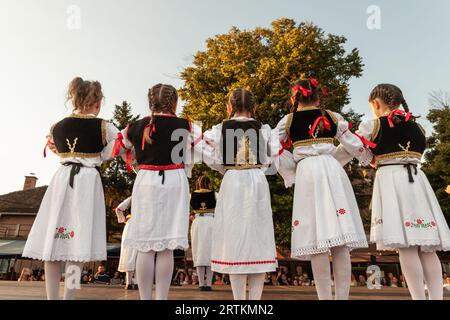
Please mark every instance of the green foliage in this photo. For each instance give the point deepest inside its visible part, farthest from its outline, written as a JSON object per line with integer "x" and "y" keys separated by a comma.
{"x": 267, "y": 61}
{"x": 116, "y": 181}
{"x": 437, "y": 158}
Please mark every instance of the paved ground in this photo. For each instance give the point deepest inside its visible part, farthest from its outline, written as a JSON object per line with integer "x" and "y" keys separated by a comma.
{"x": 36, "y": 291}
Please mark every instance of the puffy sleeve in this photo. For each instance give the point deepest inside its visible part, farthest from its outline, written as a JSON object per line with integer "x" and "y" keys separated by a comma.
{"x": 353, "y": 145}
{"x": 125, "y": 205}
{"x": 50, "y": 144}
{"x": 283, "y": 159}
{"x": 211, "y": 148}
{"x": 111, "y": 135}
{"x": 194, "y": 148}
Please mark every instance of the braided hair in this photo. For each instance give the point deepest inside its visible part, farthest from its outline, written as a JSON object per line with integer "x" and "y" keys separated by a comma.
{"x": 311, "y": 96}
{"x": 161, "y": 98}
{"x": 392, "y": 96}
{"x": 203, "y": 182}
{"x": 242, "y": 100}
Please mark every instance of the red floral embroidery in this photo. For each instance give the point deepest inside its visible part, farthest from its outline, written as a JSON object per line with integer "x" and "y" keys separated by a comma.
{"x": 342, "y": 211}
{"x": 72, "y": 234}
{"x": 419, "y": 221}
{"x": 296, "y": 223}
{"x": 433, "y": 223}
{"x": 420, "y": 224}
{"x": 407, "y": 224}
{"x": 62, "y": 233}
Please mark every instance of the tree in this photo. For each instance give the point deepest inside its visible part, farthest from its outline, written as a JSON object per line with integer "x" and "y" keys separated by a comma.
{"x": 267, "y": 61}
{"x": 116, "y": 181}
{"x": 437, "y": 158}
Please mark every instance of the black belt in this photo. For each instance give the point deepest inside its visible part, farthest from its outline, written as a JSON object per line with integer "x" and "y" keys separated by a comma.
{"x": 163, "y": 175}
{"x": 408, "y": 167}
{"x": 76, "y": 167}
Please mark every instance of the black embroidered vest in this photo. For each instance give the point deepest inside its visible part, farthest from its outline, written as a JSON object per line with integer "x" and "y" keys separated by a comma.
{"x": 301, "y": 122}
{"x": 405, "y": 139}
{"x": 165, "y": 141}
{"x": 79, "y": 136}
{"x": 202, "y": 202}
{"x": 242, "y": 146}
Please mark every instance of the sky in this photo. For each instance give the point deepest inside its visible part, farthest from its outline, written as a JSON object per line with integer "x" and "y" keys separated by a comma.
{"x": 131, "y": 45}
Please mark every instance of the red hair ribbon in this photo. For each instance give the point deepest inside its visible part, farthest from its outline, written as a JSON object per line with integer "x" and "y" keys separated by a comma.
{"x": 326, "y": 124}
{"x": 128, "y": 161}
{"x": 398, "y": 112}
{"x": 45, "y": 148}
{"x": 305, "y": 92}
{"x": 152, "y": 129}
{"x": 314, "y": 82}
{"x": 366, "y": 142}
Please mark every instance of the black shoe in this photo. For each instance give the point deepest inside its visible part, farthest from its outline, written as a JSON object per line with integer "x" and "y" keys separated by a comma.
{"x": 135, "y": 287}
{"x": 208, "y": 289}
{"x": 202, "y": 288}
{"x": 128, "y": 287}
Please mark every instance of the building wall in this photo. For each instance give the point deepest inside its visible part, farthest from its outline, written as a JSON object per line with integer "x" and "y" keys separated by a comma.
{"x": 15, "y": 226}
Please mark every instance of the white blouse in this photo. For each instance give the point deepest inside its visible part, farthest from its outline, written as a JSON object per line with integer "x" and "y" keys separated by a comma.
{"x": 366, "y": 130}
{"x": 193, "y": 153}
{"x": 276, "y": 160}
{"x": 111, "y": 134}
{"x": 351, "y": 143}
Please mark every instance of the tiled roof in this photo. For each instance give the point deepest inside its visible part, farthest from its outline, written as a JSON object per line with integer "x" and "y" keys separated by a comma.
{"x": 27, "y": 201}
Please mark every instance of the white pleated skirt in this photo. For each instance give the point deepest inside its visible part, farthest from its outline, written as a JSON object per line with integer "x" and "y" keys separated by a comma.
{"x": 243, "y": 235}
{"x": 127, "y": 261}
{"x": 406, "y": 214}
{"x": 160, "y": 212}
{"x": 70, "y": 224}
{"x": 325, "y": 212}
{"x": 201, "y": 239}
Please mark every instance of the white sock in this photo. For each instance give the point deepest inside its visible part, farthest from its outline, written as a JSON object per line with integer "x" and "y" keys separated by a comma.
{"x": 209, "y": 276}
{"x": 432, "y": 269}
{"x": 255, "y": 285}
{"x": 163, "y": 274}
{"x": 128, "y": 278}
{"x": 201, "y": 276}
{"x": 145, "y": 271}
{"x": 52, "y": 279}
{"x": 413, "y": 271}
{"x": 72, "y": 279}
{"x": 342, "y": 270}
{"x": 322, "y": 275}
{"x": 238, "y": 286}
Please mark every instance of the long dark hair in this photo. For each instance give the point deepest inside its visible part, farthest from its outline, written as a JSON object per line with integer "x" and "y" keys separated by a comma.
{"x": 242, "y": 100}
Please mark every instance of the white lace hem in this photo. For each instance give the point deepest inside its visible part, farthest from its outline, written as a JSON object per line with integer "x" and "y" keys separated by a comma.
{"x": 157, "y": 245}
{"x": 352, "y": 241}
{"x": 65, "y": 257}
{"x": 426, "y": 245}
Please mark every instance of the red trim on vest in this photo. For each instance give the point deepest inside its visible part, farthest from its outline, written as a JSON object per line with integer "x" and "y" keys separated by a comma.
{"x": 243, "y": 263}
{"x": 326, "y": 124}
{"x": 159, "y": 168}
{"x": 366, "y": 142}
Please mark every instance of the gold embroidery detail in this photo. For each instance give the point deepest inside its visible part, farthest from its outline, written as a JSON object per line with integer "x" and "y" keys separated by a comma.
{"x": 309, "y": 142}
{"x": 72, "y": 147}
{"x": 203, "y": 206}
{"x": 422, "y": 129}
{"x": 375, "y": 130}
{"x": 202, "y": 191}
{"x": 207, "y": 211}
{"x": 308, "y": 109}
{"x": 245, "y": 154}
{"x": 333, "y": 117}
{"x": 82, "y": 116}
{"x": 79, "y": 155}
{"x": 401, "y": 154}
{"x": 289, "y": 123}
{"x": 407, "y": 146}
{"x": 243, "y": 167}
{"x": 315, "y": 134}
{"x": 147, "y": 136}
{"x": 104, "y": 123}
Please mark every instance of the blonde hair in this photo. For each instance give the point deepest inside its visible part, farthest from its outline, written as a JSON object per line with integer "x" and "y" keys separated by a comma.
{"x": 84, "y": 94}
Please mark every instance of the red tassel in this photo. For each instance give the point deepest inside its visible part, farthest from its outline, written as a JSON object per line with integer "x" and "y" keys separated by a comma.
{"x": 152, "y": 129}
{"x": 129, "y": 161}
{"x": 350, "y": 125}
{"x": 285, "y": 145}
{"x": 326, "y": 124}
{"x": 45, "y": 148}
{"x": 366, "y": 142}
{"x": 117, "y": 145}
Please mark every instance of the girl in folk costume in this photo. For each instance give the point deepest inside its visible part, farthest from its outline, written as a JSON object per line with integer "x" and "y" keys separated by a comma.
{"x": 243, "y": 237}
{"x": 162, "y": 144}
{"x": 406, "y": 215}
{"x": 70, "y": 226}
{"x": 203, "y": 202}
{"x": 127, "y": 261}
{"x": 326, "y": 219}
